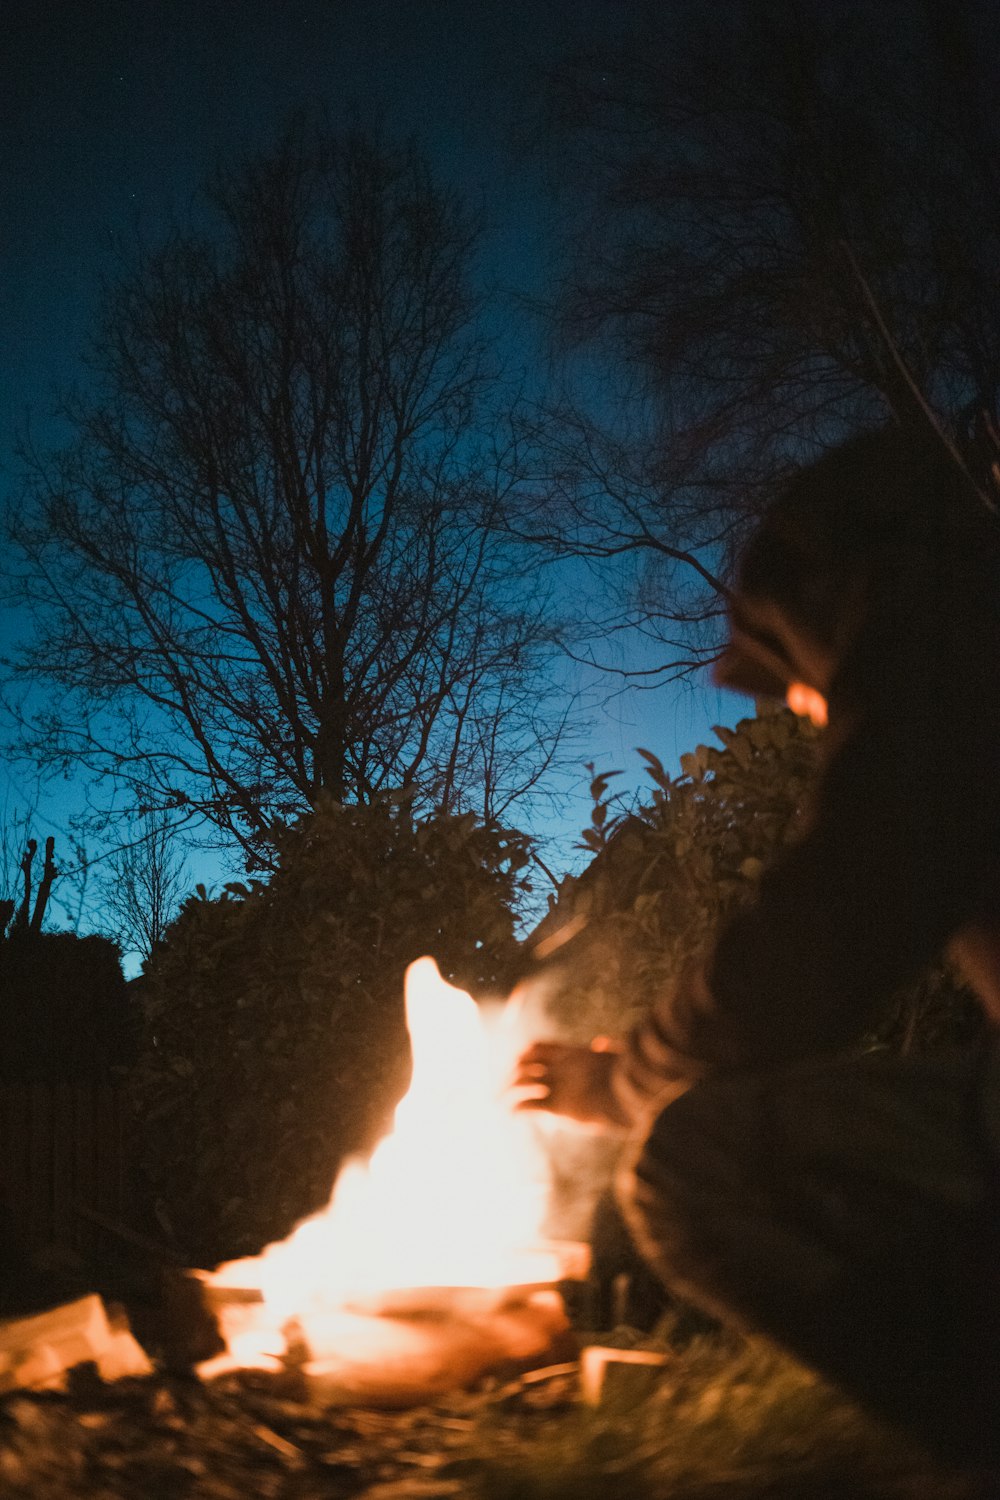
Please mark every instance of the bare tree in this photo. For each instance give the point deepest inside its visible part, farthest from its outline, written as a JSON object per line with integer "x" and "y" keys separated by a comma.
{"x": 269, "y": 568}
{"x": 15, "y": 831}
{"x": 24, "y": 905}
{"x": 790, "y": 229}
{"x": 143, "y": 887}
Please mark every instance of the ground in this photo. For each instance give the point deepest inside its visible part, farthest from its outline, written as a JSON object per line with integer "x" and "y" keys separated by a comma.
{"x": 728, "y": 1420}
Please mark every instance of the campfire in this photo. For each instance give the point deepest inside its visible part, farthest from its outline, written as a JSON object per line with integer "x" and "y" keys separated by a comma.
{"x": 426, "y": 1268}
{"x": 425, "y": 1271}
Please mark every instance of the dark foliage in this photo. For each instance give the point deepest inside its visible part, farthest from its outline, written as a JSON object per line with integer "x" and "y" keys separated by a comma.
{"x": 663, "y": 882}
{"x": 274, "y": 1038}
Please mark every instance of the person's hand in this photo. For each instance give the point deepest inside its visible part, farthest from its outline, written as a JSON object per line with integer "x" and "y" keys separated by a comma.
{"x": 569, "y": 1080}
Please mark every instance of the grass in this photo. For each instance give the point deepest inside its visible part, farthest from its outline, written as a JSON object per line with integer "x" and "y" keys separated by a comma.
{"x": 727, "y": 1418}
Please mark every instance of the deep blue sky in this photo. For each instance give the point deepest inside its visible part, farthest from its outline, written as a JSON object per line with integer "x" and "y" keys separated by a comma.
{"x": 112, "y": 112}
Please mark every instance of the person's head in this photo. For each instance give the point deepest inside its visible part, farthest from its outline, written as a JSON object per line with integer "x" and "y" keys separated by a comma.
{"x": 855, "y": 521}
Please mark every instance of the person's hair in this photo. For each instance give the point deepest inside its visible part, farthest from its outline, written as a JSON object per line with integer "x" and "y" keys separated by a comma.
{"x": 861, "y": 509}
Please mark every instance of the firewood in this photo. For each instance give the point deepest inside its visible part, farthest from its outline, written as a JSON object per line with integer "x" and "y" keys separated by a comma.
{"x": 626, "y": 1375}
{"x": 38, "y": 1350}
{"x": 574, "y": 1258}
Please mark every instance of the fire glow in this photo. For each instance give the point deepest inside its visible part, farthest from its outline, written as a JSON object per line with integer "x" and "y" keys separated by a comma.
{"x": 452, "y": 1198}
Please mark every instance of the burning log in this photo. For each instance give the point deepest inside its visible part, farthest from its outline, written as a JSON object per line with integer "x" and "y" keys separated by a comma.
{"x": 395, "y": 1361}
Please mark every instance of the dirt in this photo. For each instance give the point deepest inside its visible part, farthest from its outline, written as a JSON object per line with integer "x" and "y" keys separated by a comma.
{"x": 240, "y": 1437}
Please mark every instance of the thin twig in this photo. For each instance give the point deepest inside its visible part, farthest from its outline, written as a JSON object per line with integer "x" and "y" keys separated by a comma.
{"x": 904, "y": 370}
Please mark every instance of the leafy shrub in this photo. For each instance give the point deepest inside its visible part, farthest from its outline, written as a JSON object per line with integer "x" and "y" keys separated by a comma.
{"x": 652, "y": 900}
{"x": 663, "y": 881}
{"x": 274, "y": 1037}
{"x": 664, "y": 878}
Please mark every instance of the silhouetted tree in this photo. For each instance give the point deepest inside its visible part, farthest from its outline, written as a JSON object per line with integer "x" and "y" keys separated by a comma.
{"x": 790, "y": 229}
{"x": 144, "y": 886}
{"x": 268, "y": 567}
{"x": 22, "y": 914}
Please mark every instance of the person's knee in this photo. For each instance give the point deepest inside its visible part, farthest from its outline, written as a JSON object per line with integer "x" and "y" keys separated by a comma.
{"x": 689, "y": 1179}
{"x": 657, "y": 1187}
{"x": 689, "y": 1150}
{"x": 653, "y": 1169}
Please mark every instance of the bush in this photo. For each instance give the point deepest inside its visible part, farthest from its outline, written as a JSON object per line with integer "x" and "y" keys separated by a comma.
{"x": 274, "y": 1039}
{"x": 663, "y": 881}
{"x": 652, "y": 900}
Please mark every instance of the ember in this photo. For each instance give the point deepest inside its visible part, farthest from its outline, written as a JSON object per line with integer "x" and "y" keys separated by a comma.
{"x": 426, "y": 1263}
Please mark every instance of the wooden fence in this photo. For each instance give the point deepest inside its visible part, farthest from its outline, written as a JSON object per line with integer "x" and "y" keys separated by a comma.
{"x": 61, "y": 1153}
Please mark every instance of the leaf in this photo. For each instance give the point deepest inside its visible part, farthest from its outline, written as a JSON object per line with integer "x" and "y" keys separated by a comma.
{"x": 599, "y": 785}
{"x": 760, "y": 733}
{"x": 655, "y": 768}
{"x": 742, "y": 751}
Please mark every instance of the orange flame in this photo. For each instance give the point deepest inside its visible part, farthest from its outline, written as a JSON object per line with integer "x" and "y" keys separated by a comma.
{"x": 453, "y": 1197}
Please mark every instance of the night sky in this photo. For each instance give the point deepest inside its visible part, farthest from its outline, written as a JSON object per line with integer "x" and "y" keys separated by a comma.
{"x": 113, "y": 111}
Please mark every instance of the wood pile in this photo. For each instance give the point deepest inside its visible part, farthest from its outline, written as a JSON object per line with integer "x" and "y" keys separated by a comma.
{"x": 38, "y": 1351}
